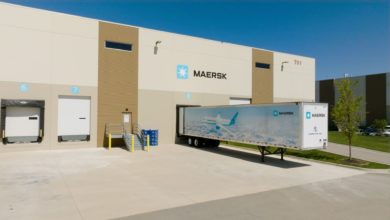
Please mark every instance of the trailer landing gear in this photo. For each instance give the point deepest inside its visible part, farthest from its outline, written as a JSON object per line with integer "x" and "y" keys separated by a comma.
{"x": 266, "y": 151}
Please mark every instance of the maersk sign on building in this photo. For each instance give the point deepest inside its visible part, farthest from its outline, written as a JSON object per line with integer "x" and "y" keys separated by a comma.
{"x": 182, "y": 72}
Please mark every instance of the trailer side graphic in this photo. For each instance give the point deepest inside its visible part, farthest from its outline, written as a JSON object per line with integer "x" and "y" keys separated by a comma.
{"x": 287, "y": 125}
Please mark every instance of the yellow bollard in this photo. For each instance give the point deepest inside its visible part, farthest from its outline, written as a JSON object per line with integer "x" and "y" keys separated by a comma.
{"x": 132, "y": 143}
{"x": 109, "y": 141}
{"x": 147, "y": 143}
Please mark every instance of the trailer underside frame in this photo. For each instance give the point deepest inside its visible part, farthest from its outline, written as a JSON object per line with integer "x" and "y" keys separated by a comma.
{"x": 264, "y": 150}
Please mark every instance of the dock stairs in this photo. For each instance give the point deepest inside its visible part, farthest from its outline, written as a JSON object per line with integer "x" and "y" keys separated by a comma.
{"x": 132, "y": 137}
{"x": 127, "y": 138}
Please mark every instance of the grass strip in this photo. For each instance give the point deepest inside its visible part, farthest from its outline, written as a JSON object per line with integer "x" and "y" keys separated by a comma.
{"x": 378, "y": 143}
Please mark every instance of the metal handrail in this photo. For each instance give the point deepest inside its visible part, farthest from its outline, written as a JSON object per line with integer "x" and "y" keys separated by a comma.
{"x": 124, "y": 131}
{"x": 137, "y": 129}
{"x": 114, "y": 129}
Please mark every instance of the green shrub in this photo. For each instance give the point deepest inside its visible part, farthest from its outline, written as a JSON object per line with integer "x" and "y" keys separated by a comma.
{"x": 379, "y": 125}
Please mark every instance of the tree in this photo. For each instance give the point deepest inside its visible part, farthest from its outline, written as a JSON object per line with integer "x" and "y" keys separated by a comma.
{"x": 379, "y": 125}
{"x": 346, "y": 111}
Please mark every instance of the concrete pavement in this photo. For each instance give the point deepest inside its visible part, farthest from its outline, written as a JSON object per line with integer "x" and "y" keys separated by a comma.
{"x": 99, "y": 184}
{"x": 359, "y": 153}
{"x": 358, "y": 197}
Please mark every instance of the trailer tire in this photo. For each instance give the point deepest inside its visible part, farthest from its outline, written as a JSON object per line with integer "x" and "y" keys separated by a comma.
{"x": 190, "y": 141}
{"x": 197, "y": 142}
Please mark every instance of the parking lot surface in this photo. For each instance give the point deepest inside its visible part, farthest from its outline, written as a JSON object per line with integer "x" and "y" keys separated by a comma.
{"x": 359, "y": 197}
{"x": 95, "y": 183}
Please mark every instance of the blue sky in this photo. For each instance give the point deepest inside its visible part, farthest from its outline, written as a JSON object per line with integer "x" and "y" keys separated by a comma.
{"x": 344, "y": 36}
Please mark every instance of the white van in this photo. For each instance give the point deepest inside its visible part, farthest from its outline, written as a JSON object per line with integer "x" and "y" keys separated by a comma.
{"x": 386, "y": 132}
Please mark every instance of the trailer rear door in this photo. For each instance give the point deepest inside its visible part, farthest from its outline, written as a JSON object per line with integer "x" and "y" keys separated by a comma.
{"x": 315, "y": 125}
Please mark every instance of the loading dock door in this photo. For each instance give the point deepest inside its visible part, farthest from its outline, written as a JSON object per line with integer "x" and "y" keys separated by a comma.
{"x": 74, "y": 118}
{"x": 22, "y": 124}
{"x": 239, "y": 101}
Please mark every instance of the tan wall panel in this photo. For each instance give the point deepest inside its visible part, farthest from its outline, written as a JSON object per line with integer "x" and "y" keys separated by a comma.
{"x": 50, "y": 94}
{"x": 118, "y": 76}
{"x": 262, "y": 79}
{"x": 157, "y": 109}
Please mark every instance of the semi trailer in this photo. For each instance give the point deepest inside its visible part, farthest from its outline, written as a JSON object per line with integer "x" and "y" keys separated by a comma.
{"x": 298, "y": 125}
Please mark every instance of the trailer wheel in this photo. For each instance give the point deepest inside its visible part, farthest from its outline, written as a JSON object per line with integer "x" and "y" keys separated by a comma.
{"x": 197, "y": 142}
{"x": 189, "y": 141}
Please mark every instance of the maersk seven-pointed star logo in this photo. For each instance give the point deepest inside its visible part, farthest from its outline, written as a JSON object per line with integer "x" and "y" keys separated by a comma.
{"x": 182, "y": 72}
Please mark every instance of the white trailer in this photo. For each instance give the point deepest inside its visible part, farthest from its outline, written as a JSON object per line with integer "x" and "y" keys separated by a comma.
{"x": 296, "y": 125}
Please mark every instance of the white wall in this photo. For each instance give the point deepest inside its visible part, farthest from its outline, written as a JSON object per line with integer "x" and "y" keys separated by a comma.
{"x": 158, "y": 71}
{"x": 297, "y": 81}
{"x": 39, "y": 46}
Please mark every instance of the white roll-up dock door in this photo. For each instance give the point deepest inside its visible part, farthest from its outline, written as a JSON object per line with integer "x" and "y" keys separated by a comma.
{"x": 74, "y": 118}
{"x": 239, "y": 101}
{"x": 22, "y": 124}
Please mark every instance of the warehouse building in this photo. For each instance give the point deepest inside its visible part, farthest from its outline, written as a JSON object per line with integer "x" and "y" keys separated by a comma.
{"x": 374, "y": 89}
{"x": 64, "y": 79}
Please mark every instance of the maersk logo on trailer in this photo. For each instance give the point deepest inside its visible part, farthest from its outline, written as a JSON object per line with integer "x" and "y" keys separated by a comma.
{"x": 277, "y": 113}
{"x": 182, "y": 71}
{"x": 309, "y": 115}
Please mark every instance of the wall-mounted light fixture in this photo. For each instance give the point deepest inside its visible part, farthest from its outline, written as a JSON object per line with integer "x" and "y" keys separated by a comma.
{"x": 284, "y": 62}
{"x": 156, "y": 46}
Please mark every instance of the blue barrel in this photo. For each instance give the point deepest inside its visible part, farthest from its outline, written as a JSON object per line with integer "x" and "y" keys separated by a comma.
{"x": 145, "y": 133}
{"x": 153, "y": 136}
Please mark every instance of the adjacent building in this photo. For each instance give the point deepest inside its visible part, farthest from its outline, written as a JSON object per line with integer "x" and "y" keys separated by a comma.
{"x": 64, "y": 78}
{"x": 374, "y": 90}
